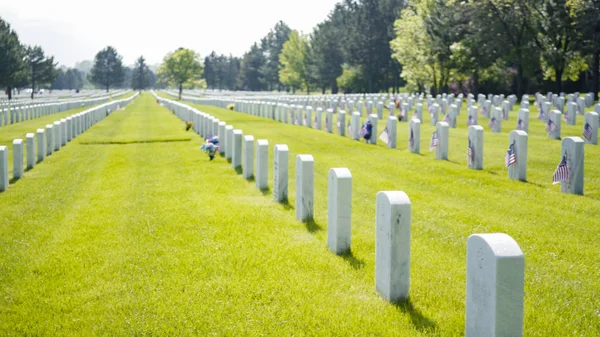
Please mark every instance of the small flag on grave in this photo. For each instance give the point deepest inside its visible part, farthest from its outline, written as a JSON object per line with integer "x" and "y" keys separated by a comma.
{"x": 562, "y": 172}
{"x": 587, "y": 131}
{"x": 550, "y": 126}
{"x": 520, "y": 124}
{"x": 384, "y": 136}
{"x": 484, "y": 111}
{"x": 541, "y": 114}
{"x": 434, "y": 141}
{"x": 411, "y": 140}
{"x": 349, "y": 128}
{"x": 566, "y": 117}
{"x": 493, "y": 122}
{"x": 510, "y": 157}
{"x": 447, "y": 118}
{"x": 470, "y": 120}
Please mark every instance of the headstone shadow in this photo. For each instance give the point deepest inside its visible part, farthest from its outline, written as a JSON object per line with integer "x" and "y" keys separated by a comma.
{"x": 265, "y": 191}
{"x": 312, "y": 226}
{"x": 354, "y": 262}
{"x": 13, "y": 180}
{"x": 418, "y": 320}
{"x": 286, "y": 204}
{"x": 238, "y": 170}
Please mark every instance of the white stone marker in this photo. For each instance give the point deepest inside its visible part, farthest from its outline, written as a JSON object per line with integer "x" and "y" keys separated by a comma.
{"x": 505, "y": 110}
{"x": 305, "y": 170}
{"x": 414, "y": 135}
{"x": 392, "y": 124}
{"x": 17, "y": 158}
{"x": 319, "y": 119}
{"x": 434, "y": 112}
{"x": 222, "y": 138}
{"x": 453, "y": 113}
{"x": 309, "y": 117}
{"x": 41, "y": 144}
{"x": 355, "y": 125}
{"x": 523, "y": 120}
{"x": 495, "y": 286}
{"x": 556, "y": 118}
{"x": 228, "y": 141}
{"x": 329, "y": 120}
{"x": 472, "y": 115}
{"x": 496, "y": 120}
{"x": 30, "y": 149}
{"x": 374, "y": 133}
{"x": 475, "y": 147}
{"x": 441, "y": 150}
{"x": 248, "y": 166}
{"x": 57, "y": 139}
{"x": 518, "y": 141}
{"x": 3, "y": 168}
{"x": 392, "y": 246}
{"x": 49, "y": 139}
{"x": 571, "y": 113}
{"x": 380, "y": 110}
{"x": 63, "y": 132}
{"x": 572, "y": 148}
{"x": 280, "y": 173}
{"x": 342, "y": 123}
{"x": 339, "y": 210}
{"x": 262, "y": 164}
{"x": 590, "y": 125}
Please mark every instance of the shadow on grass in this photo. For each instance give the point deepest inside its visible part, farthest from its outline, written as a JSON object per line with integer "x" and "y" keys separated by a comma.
{"x": 250, "y": 180}
{"x": 312, "y": 226}
{"x": 453, "y": 162}
{"x": 265, "y": 191}
{"x": 417, "y": 319}
{"x": 531, "y": 183}
{"x": 238, "y": 170}
{"x": 13, "y": 180}
{"x": 352, "y": 260}
{"x": 286, "y": 205}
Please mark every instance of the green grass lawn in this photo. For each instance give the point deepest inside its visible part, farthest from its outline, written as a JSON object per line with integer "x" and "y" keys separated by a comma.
{"x": 131, "y": 230}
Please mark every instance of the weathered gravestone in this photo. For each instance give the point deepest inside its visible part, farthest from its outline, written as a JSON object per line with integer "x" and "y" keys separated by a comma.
{"x": 30, "y": 149}
{"x": 392, "y": 245}
{"x": 553, "y": 126}
{"x": 523, "y": 120}
{"x": 341, "y": 123}
{"x": 419, "y": 111}
{"x": 41, "y": 144}
{"x": 355, "y": 128}
{"x": 472, "y": 116}
{"x": 572, "y": 151}
{"x": 17, "y": 158}
{"x": 434, "y": 112}
{"x": 571, "y": 113}
{"x": 318, "y": 119}
{"x": 392, "y": 124}
{"x": 262, "y": 162}
{"x": 380, "y": 110}
{"x": 475, "y": 147}
{"x": 236, "y": 149}
{"x": 506, "y": 108}
{"x": 496, "y": 120}
{"x": 3, "y": 168}
{"x": 339, "y": 210}
{"x": 248, "y": 166}
{"x": 441, "y": 148}
{"x": 495, "y": 286}
{"x": 280, "y": 173}
{"x": 329, "y": 120}
{"x": 590, "y": 128}
{"x": 374, "y": 134}
{"x": 414, "y": 136}
{"x": 305, "y": 166}
{"x": 517, "y": 155}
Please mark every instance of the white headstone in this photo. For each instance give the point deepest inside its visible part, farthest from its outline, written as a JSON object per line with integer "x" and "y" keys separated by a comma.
{"x": 236, "y": 149}
{"x": 228, "y": 142}
{"x": 392, "y": 124}
{"x": 374, "y": 133}
{"x": 280, "y": 173}
{"x": 392, "y": 246}
{"x": 305, "y": 166}
{"x": 30, "y": 149}
{"x": 262, "y": 162}
{"x": 341, "y": 124}
{"x": 355, "y": 125}
{"x": 248, "y": 166}
{"x": 222, "y": 138}
{"x": 556, "y": 120}
{"x": 339, "y": 210}
{"x": 495, "y": 286}
{"x": 441, "y": 150}
{"x": 49, "y": 139}
{"x": 518, "y": 144}
{"x": 590, "y": 131}
{"x": 475, "y": 147}
{"x": 414, "y": 136}
{"x": 17, "y": 158}
{"x": 41, "y": 144}
{"x": 3, "y": 168}
{"x": 572, "y": 148}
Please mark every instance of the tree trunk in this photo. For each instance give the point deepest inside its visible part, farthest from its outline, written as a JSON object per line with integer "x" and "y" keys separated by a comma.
{"x": 180, "y": 90}
{"x": 323, "y": 90}
{"x": 475, "y": 88}
{"x": 596, "y": 74}
{"x": 559, "y": 73}
{"x": 520, "y": 79}
{"x": 334, "y": 88}
{"x": 9, "y": 89}
{"x": 32, "y": 84}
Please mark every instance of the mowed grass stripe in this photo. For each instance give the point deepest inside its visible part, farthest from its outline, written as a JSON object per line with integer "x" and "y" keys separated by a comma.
{"x": 155, "y": 239}
{"x": 557, "y": 232}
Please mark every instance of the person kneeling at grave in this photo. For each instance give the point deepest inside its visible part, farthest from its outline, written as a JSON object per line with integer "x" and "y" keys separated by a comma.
{"x": 366, "y": 130}
{"x": 211, "y": 146}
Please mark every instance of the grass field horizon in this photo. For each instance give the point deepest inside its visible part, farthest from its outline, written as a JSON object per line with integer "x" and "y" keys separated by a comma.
{"x": 131, "y": 230}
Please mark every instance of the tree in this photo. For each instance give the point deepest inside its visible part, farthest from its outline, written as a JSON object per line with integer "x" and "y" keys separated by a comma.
{"x": 326, "y": 56}
{"x": 586, "y": 14}
{"x": 182, "y": 68}
{"x": 12, "y": 59}
{"x": 293, "y": 59}
{"x": 272, "y": 46}
{"x": 140, "y": 77}
{"x": 73, "y": 79}
{"x": 251, "y": 65}
{"x": 108, "y": 69}
{"x": 42, "y": 69}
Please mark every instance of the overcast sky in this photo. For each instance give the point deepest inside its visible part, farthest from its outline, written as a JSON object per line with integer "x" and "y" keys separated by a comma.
{"x": 73, "y": 31}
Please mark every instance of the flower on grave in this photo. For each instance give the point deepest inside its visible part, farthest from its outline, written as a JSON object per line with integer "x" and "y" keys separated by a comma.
{"x": 188, "y": 125}
{"x": 230, "y": 106}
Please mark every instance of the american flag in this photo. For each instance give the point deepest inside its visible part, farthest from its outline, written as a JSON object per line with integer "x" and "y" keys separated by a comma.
{"x": 384, "y": 136}
{"x": 484, "y": 111}
{"x": 315, "y": 124}
{"x": 587, "y": 131}
{"x": 434, "y": 141}
{"x": 566, "y": 117}
{"x": 470, "y": 151}
{"x": 338, "y": 124}
{"x": 363, "y": 131}
{"x": 541, "y": 114}
{"x": 349, "y": 128}
{"x": 562, "y": 172}
{"x": 470, "y": 120}
{"x": 411, "y": 140}
{"x": 510, "y": 157}
{"x": 550, "y": 126}
{"x": 493, "y": 122}
{"x": 447, "y": 118}
{"x": 520, "y": 124}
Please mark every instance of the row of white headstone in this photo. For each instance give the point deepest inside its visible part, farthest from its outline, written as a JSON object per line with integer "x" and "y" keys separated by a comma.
{"x": 495, "y": 262}
{"x": 51, "y": 139}
{"x": 15, "y": 112}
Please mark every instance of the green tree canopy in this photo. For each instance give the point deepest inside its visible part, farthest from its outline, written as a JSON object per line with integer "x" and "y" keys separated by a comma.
{"x": 13, "y": 71}
{"x": 42, "y": 69}
{"x": 293, "y": 59}
{"x": 140, "y": 77}
{"x": 182, "y": 68}
{"x": 108, "y": 69}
